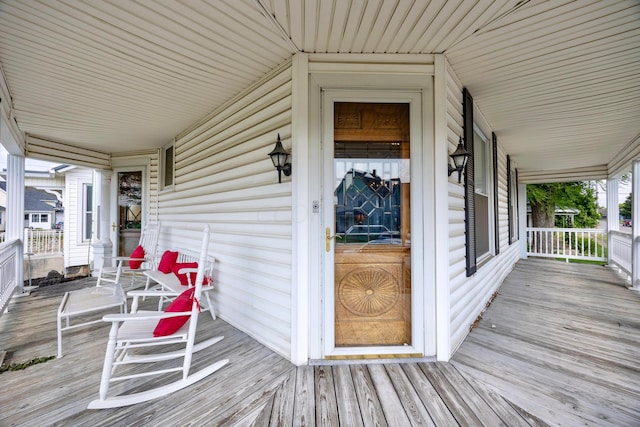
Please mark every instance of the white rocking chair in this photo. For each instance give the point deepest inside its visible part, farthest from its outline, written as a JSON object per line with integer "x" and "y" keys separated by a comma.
{"x": 134, "y": 331}
{"x": 134, "y": 277}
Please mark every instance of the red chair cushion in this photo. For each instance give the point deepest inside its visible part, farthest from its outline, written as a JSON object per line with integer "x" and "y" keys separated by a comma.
{"x": 184, "y": 280}
{"x": 167, "y": 261}
{"x": 137, "y": 253}
{"x": 169, "y": 326}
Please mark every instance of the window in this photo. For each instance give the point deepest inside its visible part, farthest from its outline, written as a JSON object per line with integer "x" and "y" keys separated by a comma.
{"x": 482, "y": 169}
{"x": 39, "y": 218}
{"x": 87, "y": 211}
{"x": 512, "y": 201}
{"x": 168, "y": 166}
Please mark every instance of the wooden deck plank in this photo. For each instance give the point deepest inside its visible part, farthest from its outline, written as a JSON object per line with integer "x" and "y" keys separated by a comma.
{"x": 283, "y": 401}
{"x": 485, "y": 398}
{"x": 304, "y": 403}
{"x": 390, "y": 401}
{"x": 346, "y": 398}
{"x": 325, "y": 397}
{"x": 408, "y": 396}
{"x": 368, "y": 401}
{"x": 438, "y": 410}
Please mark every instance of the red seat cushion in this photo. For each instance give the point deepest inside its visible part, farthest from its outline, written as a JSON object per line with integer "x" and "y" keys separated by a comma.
{"x": 184, "y": 302}
{"x": 184, "y": 280}
{"x": 167, "y": 261}
{"x": 137, "y": 253}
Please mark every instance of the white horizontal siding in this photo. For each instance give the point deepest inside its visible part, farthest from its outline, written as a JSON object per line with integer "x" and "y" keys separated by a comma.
{"x": 469, "y": 295}
{"x": 225, "y": 178}
{"x": 76, "y": 252}
{"x": 471, "y": 298}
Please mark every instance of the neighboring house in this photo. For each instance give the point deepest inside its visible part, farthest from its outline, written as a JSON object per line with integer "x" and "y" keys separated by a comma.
{"x": 61, "y": 198}
{"x": 564, "y": 217}
{"x": 40, "y": 209}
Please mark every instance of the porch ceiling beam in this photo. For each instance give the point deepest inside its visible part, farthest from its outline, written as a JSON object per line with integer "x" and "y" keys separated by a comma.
{"x": 54, "y": 151}
{"x": 567, "y": 175}
{"x": 11, "y": 137}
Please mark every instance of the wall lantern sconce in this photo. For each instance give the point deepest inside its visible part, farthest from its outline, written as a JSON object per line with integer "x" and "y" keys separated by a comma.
{"x": 280, "y": 158}
{"x": 459, "y": 157}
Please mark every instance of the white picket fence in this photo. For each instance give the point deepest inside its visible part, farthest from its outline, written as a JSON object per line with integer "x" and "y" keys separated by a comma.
{"x": 567, "y": 243}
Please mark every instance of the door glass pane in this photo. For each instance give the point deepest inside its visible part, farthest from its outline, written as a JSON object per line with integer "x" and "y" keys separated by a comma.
{"x": 129, "y": 211}
{"x": 372, "y": 224}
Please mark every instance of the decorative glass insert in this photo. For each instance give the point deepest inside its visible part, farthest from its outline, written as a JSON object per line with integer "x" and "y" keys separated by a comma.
{"x": 368, "y": 192}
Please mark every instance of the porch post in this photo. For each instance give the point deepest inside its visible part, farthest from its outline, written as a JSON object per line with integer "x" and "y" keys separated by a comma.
{"x": 613, "y": 212}
{"x": 522, "y": 219}
{"x": 15, "y": 212}
{"x": 101, "y": 243}
{"x": 635, "y": 229}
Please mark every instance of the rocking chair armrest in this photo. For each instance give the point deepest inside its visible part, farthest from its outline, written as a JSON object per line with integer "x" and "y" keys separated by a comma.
{"x": 150, "y": 315}
{"x": 187, "y": 270}
{"x": 150, "y": 293}
{"x": 128, "y": 258}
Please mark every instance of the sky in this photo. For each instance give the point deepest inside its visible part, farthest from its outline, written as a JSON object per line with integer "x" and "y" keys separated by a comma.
{"x": 30, "y": 164}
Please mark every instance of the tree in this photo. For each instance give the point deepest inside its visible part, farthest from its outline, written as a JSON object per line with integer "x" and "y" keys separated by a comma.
{"x": 625, "y": 208}
{"x": 544, "y": 199}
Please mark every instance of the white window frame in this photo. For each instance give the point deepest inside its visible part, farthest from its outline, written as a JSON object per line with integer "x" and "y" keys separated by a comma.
{"x": 85, "y": 208}
{"x": 165, "y": 167}
{"x": 487, "y": 184}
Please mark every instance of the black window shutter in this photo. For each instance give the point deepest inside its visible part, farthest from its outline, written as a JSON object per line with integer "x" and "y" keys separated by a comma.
{"x": 469, "y": 186}
{"x": 510, "y": 212}
{"x": 517, "y": 205}
{"x": 496, "y": 217}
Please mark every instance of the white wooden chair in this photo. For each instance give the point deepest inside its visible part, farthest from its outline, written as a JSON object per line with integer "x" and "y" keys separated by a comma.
{"x": 122, "y": 272}
{"x": 132, "y": 342}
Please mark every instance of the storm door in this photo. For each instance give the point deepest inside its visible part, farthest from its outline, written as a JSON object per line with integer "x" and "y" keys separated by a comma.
{"x": 128, "y": 223}
{"x": 368, "y": 227}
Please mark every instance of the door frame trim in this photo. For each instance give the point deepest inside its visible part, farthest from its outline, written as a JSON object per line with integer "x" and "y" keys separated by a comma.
{"x": 113, "y": 234}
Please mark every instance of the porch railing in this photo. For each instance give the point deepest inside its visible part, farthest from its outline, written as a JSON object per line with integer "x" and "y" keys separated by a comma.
{"x": 43, "y": 242}
{"x": 620, "y": 250}
{"x": 567, "y": 243}
{"x": 9, "y": 254}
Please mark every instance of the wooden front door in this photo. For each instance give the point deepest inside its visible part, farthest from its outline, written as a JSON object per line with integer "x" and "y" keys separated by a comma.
{"x": 371, "y": 224}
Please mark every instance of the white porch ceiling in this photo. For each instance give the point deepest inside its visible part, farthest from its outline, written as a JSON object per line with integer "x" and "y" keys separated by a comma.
{"x": 557, "y": 80}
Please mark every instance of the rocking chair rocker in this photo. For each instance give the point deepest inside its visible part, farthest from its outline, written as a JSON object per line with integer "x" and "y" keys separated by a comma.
{"x": 133, "y": 332}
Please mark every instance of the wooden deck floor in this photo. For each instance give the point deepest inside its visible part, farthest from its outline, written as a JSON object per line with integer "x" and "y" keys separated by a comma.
{"x": 522, "y": 372}
{"x": 561, "y": 341}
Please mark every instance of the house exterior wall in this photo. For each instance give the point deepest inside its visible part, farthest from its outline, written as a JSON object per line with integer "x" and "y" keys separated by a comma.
{"x": 77, "y": 251}
{"x": 469, "y": 295}
{"x": 224, "y": 177}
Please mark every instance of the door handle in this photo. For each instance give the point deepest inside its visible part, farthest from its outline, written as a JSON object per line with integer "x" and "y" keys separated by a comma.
{"x": 113, "y": 226}
{"x": 328, "y": 238}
